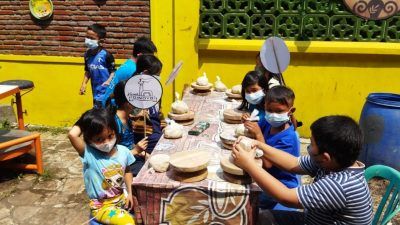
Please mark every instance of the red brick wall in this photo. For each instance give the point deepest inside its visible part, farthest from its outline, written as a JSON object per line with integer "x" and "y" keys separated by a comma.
{"x": 63, "y": 34}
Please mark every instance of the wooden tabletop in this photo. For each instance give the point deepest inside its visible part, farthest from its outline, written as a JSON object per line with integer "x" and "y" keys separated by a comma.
{"x": 207, "y": 108}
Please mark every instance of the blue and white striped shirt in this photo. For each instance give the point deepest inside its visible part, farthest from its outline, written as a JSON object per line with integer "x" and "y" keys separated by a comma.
{"x": 335, "y": 197}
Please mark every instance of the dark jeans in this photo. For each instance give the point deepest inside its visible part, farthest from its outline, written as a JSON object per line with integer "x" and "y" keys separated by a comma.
{"x": 278, "y": 217}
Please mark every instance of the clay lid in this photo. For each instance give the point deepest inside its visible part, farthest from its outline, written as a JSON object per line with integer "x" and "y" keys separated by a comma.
{"x": 228, "y": 166}
{"x": 185, "y": 116}
{"x": 231, "y": 95}
{"x": 190, "y": 161}
{"x": 233, "y": 114}
{"x": 227, "y": 137}
{"x": 194, "y": 85}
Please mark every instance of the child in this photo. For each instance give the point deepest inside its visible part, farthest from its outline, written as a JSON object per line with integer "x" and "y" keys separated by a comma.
{"x": 339, "y": 194}
{"x": 276, "y": 130}
{"x": 124, "y": 125}
{"x": 142, "y": 45}
{"x": 105, "y": 166}
{"x": 99, "y": 64}
{"x": 150, "y": 65}
{"x": 253, "y": 92}
{"x": 273, "y": 79}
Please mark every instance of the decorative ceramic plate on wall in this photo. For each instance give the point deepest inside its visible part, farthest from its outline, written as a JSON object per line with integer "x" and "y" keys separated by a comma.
{"x": 373, "y": 9}
{"x": 41, "y": 9}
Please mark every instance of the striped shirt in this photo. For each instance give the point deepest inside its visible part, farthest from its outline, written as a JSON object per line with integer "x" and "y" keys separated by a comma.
{"x": 335, "y": 197}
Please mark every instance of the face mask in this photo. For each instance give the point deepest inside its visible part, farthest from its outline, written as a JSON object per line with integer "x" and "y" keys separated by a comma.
{"x": 276, "y": 119}
{"x": 91, "y": 44}
{"x": 255, "y": 98}
{"x": 105, "y": 147}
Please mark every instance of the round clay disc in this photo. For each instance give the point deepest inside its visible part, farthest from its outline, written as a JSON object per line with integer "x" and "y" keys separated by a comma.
{"x": 189, "y": 177}
{"x": 190, "y": 161}
{"x": 185, "y": 122}
{"x": 233, "y": 114}
{"x": 201, "y": 92}
{"x": 228, "y": 166}
{"x": 198, "y": 87}
{"x": 232, "y": 121}
{"x": 220, "y": 90}
{"x": 227, "y": 146}
{"x": 237, "y": 179}
{"x": 179, "y": 117}
{"x": 227, "y": 137}
{"x": 231, "y": 95}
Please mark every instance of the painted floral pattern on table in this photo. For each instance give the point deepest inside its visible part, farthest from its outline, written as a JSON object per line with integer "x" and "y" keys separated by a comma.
{"x": 221, "y": 204}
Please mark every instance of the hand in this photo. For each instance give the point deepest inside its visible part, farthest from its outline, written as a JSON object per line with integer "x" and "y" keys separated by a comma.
{"x": 106, "y": 83}
{"x": 243, "y": 158}
{"x": 245, "y": 117}
{"x": 82, "y": 90}
{"x": 253, "y": 128}
{"x": 142, "y": 144}
{"x": 129, "y": 204}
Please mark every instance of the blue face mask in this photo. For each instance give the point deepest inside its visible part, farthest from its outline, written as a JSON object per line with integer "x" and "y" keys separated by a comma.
{"x": 255, "y": 98}
{"x": 91, "y": 44}
{"x": 276, "y": 119}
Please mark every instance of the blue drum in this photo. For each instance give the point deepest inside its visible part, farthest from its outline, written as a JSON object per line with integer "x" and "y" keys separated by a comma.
{"x": 380, "y": 123}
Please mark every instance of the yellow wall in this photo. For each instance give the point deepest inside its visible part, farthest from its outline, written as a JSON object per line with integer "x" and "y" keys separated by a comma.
{"x": 335, "y": 82}
{"x": 54, "y": 100}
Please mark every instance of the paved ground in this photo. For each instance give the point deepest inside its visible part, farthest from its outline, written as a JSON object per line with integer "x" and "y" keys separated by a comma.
{"x": 57, "y": 197}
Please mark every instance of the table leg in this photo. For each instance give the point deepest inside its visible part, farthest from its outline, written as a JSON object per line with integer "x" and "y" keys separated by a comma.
{"x": 19, "y": 112}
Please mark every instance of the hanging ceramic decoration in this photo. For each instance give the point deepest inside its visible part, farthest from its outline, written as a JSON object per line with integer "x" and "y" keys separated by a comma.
{"x": 275, "y": 55}
{"x": 41, "y": 9}
{"x": 373, "y": 9}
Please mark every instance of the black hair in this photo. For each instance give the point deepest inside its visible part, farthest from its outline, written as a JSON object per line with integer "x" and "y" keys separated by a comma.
{"x": 252, "y": 78}
{"x": 280, "y": 94}
{"x": 119, "y": 94}
{"x": 150, "y": 63}
{"x": 340, "y": 136}
{"x": 143, "y": 45}
{"x": 94, "y": 121}
{"x": 269, "y": 74}
{"x": 100, "y": 30}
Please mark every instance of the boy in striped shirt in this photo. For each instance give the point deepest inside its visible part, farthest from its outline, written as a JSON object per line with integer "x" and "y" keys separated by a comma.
{"x": 339, "y": 193}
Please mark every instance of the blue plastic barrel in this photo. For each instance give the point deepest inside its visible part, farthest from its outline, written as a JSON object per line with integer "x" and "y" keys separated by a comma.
{"x": 380, "y": 123}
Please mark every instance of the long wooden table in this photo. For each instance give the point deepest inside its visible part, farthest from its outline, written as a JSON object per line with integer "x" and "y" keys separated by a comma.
{"x": 165, "y": 201}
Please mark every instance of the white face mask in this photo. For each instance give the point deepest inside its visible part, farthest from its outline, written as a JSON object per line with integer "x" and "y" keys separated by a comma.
{"x": 276, "y": 119}
{"x": 105, "y": 147}
{"x": 255, "y": 98}
{"x": 91, "y": 44}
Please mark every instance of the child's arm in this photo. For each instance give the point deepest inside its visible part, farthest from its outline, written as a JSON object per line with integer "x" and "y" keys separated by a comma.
{"x": 140, "y": 146}
{"x": 76, "y": 141}
{"x": 128, "y": 182}
{"x": 255, "y": 130}
{"x": 266, "y": 181}
{"x": 110, "y": 65}
{"x": 280, "y": 159}
{"x": 86, "y": 78}
{"x": 108, "y": 81}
